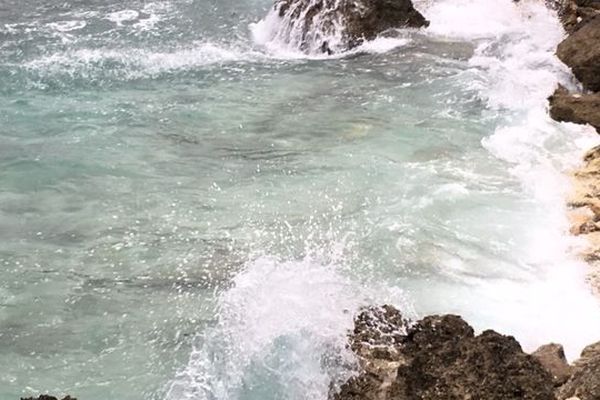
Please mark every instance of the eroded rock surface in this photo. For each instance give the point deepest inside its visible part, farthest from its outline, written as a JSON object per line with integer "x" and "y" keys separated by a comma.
{"x": 47, "y": 397}
{"x": 581, "y": 52}
{"x": 440, "y": 358}
{"x": 376, "y": 339}
{"x": 552, "y": 357}
{"x": 575, "y": 13}
{"x": 576, "y": 108}
{"x": 353, "y": 20}
{"x": 585, "y": 381}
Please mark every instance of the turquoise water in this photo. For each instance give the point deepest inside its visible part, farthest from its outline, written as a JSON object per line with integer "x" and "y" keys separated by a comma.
{"x": 187, "y": 213}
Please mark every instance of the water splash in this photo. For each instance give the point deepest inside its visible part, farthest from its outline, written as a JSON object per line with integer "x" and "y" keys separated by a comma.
{"x": 281, "y": 329}
{"x": 292, "y": 27}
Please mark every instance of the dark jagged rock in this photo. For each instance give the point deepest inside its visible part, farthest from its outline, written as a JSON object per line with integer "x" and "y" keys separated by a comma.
{"x": 378, "y": 16}
{"x": 47, "y": 397}
{"x": 358, "y": 20}
{"x": 594, "y": 4}
{"x": 581, "y": 52}
{"x": 585, "y": 381}
{"x": 552, "y": 357}
{"x": 577, "y": 108}
{"x": 574, "y": 13}
{"x": 378, "y": 333}
{"x": 449, "y": 362}
{"x": 440, "y": 358}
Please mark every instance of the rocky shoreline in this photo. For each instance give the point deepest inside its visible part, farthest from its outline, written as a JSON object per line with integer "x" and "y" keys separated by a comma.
{"x": 441, "y": 358}
{"x": 580, "y": 51}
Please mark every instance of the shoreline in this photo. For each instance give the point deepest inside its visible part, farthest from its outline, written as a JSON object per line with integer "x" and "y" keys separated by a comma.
{"x": 580, "y": 51}
{"x": 440, "y": 356}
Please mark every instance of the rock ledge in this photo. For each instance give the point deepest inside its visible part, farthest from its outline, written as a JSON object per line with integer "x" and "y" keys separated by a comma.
{"x": 441, "y": 358}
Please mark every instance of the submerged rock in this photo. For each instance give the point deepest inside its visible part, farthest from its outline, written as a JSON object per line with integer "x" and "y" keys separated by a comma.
{"x": 577, "y": 108}
{"x": 440, "y": 357}
{"x": 585, "y": 381}
{"x": 581, "y": 52}
{"x": 47, "y": 397}
{"x": 347, "y": 22}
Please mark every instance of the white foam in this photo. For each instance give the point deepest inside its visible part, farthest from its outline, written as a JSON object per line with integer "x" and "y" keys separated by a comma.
{"x": 155, "y": 12}
{"x": 119, "y": 17}
{"x": 468, "y": 19}
{"x": 516, "y": 71}
{"x": 286, "y": 34}
{"x": 381, "y": 45}
{"x": 67, "y": 26}
{"x": 284, "y": 37}
{"x": 139, "y": 63}
{"x": 267, "y": 33}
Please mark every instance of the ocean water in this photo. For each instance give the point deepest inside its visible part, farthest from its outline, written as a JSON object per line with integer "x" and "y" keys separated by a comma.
{"x": 192, "y": 208}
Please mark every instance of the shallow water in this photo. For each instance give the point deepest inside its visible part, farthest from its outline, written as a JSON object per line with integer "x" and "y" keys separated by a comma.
{"x": 190, "y": 212}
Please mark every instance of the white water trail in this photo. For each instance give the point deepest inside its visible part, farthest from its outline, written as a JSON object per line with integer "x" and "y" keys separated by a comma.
{"x": 137, "y": 63}
{"x": 516, "y": 71}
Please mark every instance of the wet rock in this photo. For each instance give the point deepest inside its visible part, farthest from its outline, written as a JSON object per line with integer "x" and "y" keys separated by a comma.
{"x": 585, "y": 381}
{"x": 552, "y": 357}
{"x": 576, "y": 108}
{"x": 574, "y": 13}
{"x": 354, "y": 20}
{"x": 448, "y": 362}
{"x": 378, "y": 333}
{"x": 440, "y": 358}
{"x": 594, "y": 4}
{"x": 581, "y": 52}
{"x": 47, "y": 397}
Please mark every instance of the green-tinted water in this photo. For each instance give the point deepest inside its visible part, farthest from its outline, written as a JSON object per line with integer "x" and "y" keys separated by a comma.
{"x": 169, "y": 187}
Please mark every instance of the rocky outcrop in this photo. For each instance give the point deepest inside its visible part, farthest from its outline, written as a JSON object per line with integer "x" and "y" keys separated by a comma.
{"x": 576, "y": 108}
{"x": 575, "y": 13}
{"x": 47, "y": 397}
{"x": 440, "y": 357}
{"x": 552, "y": 357}
{"x": 584, "y": 384}
{"x": 376, "y": 340}
{"x": 584, "y": 212}
{"x": 581, "y": 52}
{"x": 352, "y": 20}
{"x": 446, "y": 361}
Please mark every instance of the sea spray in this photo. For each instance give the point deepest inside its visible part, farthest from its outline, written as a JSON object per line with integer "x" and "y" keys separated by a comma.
{"x": 328, "y": 27}
{"x": 284, "y": 30}
{"x": 281, "y": 329}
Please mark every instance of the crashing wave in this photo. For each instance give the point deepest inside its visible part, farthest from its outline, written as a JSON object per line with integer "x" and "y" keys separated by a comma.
{"x": 332, "y": 26}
